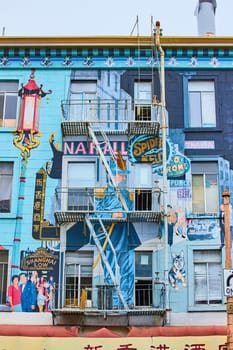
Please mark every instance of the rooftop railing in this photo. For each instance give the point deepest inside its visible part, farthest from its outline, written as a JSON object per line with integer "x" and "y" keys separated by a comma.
{"x": 110, "y": 113}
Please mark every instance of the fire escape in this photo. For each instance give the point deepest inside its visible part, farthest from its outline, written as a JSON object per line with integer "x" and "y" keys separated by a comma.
{"x": 92, "y": 123}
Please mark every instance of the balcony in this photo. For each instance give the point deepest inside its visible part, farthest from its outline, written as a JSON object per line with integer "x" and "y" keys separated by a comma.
{"x": 96, "y": 308}
{"x": 72, "y": 204}
{"x": 110, "y": 116}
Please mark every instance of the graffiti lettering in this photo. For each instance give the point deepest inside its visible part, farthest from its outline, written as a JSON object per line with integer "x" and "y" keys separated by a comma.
{"x": 89, "y": 149}
{"x": 140, "y": 148}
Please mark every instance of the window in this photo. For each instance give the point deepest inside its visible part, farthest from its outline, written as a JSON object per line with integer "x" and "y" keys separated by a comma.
{"x": 78, "y": 278}
{"x": 207, "y": 277}
{"x": 6, "y": 179}
{"x": 3, "y": 274}
{"x": 8, "y": 103}
{"x": 143, "y": 184}
{"x": 82, "y": 100}
{"x": 205, "y": 187}
{"x": 143, "y": 98}
{"x": 201, "y": 104}
{"x": 143, "y": 278}
{"x": 81, "y": 186}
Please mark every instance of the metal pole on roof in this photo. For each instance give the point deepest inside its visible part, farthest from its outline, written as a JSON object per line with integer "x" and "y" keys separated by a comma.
{"x": 164, "y": 152}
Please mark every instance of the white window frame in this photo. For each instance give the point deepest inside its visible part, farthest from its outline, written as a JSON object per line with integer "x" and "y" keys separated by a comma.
{"x": 141, "y": 282}
{"x": 88, "y": 181}
{"x": 143, "y": 186}
{"x": 205, "y": 170}
{"x": 4, "y": 262}
{"x": 6, "y": 185}
{"x": 143, "y": 100}
{"x": 202, "y": 94}
{"x": 211, "y": 278}
{"x": 83, "y": 100}
{"x": 7, "y": 93}
{"x": 79, "y": 261}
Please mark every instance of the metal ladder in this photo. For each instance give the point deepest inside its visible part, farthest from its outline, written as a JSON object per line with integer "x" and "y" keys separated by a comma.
{"x": 104, "y": 161}
{"x": 121, "y": 199}
{"x": 103, "y": 256}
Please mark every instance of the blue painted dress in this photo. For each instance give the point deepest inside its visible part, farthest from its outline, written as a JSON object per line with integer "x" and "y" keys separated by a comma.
{"x": 124, "y": 239}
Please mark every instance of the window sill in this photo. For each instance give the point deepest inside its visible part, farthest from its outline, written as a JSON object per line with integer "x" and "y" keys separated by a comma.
{"x": 202, "y": 129}
{"x": 7, "y": 130}
{"x": 202, "y": 216}
{"x": 217, "y": 307}
{"x": 7, "y": 215}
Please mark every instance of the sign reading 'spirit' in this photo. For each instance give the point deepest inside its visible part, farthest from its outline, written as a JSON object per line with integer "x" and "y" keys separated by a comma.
{"x": 148, "y": 149}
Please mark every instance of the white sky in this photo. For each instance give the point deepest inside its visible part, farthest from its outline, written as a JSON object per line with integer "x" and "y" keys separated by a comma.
{"x": 105, "y": 17}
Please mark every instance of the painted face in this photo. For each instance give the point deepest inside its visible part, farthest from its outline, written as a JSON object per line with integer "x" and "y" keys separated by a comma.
{"x": 120, "y": 178}
{"x": 15, "y": 280}
{"x": 23, "y": 279}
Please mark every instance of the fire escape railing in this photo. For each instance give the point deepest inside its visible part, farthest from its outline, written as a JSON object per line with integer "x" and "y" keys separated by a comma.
{"x": 117, "y": 115}
{"x": 72, "y": 203}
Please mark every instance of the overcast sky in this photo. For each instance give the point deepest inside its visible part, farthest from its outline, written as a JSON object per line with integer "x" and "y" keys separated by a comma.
{"x": 105, "y": 17}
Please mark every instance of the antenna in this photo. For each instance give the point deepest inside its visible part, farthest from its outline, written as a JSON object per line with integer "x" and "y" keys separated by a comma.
{"x": 3, "y": 31}
{"x": 135, "y": 25}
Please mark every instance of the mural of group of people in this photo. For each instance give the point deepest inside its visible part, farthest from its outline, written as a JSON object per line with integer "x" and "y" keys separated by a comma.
{"x": 31, "y": 294}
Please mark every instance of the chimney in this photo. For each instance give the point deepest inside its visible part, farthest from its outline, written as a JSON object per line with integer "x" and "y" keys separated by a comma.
{"x": 205, "y": 12}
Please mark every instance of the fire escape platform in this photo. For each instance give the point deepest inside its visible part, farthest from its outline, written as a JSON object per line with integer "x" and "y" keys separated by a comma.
{"x": 63, "y": 217}
{"x": 106, "y": 318}
{"x": 70, "y": 128}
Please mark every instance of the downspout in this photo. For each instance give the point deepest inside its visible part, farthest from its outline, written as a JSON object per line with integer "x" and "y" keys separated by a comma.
{"x": 164, "y": 153}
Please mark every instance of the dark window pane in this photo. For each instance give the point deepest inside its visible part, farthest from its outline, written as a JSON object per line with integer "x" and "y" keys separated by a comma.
{"x": 11, "y": 107}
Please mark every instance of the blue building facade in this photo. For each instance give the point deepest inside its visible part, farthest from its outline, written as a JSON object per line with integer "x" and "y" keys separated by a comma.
{"x": 105, "y": 106}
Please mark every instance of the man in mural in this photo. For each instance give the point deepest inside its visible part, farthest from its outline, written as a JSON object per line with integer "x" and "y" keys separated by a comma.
{"x": 28, "y": 294}
{"x": 122, "y": 234}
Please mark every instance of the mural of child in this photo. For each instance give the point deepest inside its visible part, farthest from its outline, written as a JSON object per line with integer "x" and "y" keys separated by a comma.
{"x": 41, "y": 299}
{"x": 51, "y": 293}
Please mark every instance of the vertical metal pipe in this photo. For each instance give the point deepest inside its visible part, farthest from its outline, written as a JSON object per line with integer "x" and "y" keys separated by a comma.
{"x": 15, "y": 265}
{"x": 164, "y": 152}
{"x": 228, "y": 265}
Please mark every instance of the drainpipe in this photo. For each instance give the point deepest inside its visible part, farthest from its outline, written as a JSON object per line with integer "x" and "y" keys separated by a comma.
{"x": 228, "y": 265}
{"x": 164, "y": 152}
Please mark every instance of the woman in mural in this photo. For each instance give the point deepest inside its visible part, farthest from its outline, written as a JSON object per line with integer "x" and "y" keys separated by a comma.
{"x": 14, "y": 295}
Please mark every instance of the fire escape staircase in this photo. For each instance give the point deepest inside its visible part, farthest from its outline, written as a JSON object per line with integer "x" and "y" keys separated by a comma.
{"x": 92, "y": 129}
{"x": 89, "y": 218}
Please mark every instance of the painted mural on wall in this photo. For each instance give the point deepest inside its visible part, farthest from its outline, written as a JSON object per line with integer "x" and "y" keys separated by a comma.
{"x": 121, "y": 240}
{"x": 175, "y": 222}
{"x": 148, "y": 148}
{"x": 203, "y": 229}
{"x": 42, "y": 268}
{"x": 176, "y": 274}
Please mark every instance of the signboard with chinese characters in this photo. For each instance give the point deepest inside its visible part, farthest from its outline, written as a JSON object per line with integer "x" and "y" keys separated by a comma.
{"x": 122, "y": 343}
{"x": 41, "y": 228}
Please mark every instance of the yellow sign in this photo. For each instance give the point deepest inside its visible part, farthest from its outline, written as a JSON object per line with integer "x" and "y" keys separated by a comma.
{"x": 125, "y": 343}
